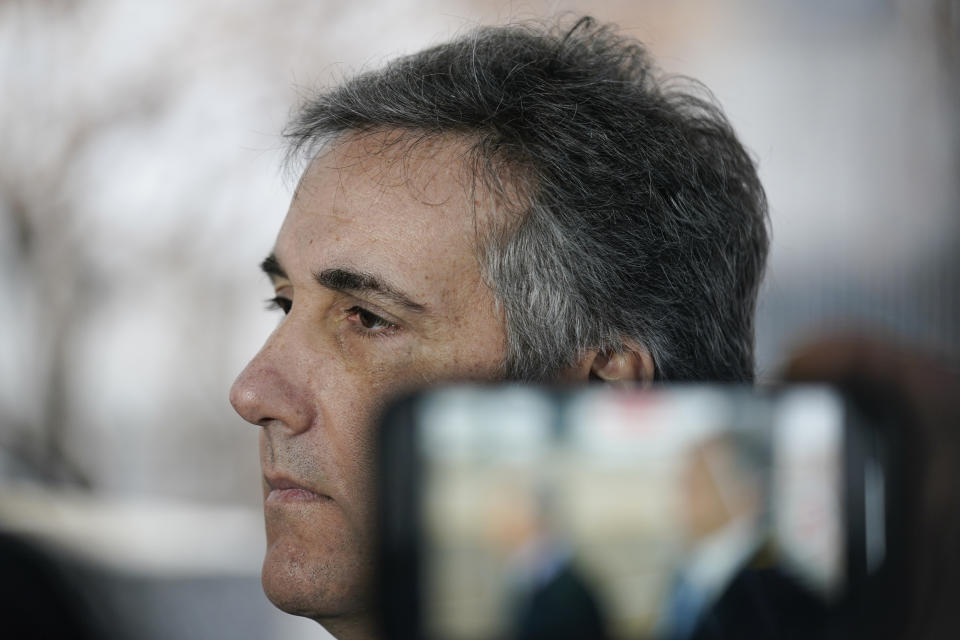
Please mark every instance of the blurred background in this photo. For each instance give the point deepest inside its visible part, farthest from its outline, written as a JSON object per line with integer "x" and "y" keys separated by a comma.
{"x": 141, "y": 184}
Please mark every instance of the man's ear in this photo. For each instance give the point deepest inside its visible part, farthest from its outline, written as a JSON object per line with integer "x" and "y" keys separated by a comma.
{"x": 632, "y": 366}
{"x": 629, "y": 367}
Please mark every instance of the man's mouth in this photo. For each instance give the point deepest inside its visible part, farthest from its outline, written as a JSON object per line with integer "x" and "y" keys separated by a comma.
{"x": 283, "y": 489}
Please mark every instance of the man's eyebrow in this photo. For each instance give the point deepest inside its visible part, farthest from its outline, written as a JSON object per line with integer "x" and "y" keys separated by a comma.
{"x": 272, "y": 268}
{"x": 349, "y": 281}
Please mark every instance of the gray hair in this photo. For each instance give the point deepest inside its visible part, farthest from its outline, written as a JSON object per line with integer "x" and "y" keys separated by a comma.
{"x": 638, "y": 218}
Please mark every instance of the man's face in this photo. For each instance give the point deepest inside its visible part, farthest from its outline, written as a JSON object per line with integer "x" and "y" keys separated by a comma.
{"x": 375, "y": 267}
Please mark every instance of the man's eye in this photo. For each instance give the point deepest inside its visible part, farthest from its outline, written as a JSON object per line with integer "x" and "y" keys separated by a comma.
{"x": 279, "y": 302}
{"x": 371, "y": 322}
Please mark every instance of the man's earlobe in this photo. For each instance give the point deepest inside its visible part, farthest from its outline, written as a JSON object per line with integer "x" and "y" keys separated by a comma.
{"x": 624, "y": 367}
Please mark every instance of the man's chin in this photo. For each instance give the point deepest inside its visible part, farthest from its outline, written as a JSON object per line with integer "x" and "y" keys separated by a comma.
{"x": 302, "y": 585}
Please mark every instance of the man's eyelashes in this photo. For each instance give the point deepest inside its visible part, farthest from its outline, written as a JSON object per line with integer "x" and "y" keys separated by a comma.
{"x": 369, "y": 323}
{"x": 281, "y": 303}
{"x": 365, "y": 321}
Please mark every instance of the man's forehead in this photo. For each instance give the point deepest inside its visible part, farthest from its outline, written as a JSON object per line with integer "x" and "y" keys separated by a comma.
{"x": 385, "y": 179}
{"x": 385, "y": 192}
{"x": 428, "y": 165}
{"x": 379, "y": 205}
{"x": 383, "y": 167}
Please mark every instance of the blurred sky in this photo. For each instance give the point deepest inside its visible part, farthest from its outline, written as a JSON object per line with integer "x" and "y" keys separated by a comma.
{"x": 141, "y": 184}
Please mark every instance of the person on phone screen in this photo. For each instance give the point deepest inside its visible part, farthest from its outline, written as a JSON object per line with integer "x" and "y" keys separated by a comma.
{"x": 730, "y": 584}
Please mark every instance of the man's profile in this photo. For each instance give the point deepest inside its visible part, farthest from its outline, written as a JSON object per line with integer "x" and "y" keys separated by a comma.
{"x": 520, "y": 203}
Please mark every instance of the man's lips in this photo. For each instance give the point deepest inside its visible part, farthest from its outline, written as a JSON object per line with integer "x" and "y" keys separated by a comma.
{"x": 283, "y": 489}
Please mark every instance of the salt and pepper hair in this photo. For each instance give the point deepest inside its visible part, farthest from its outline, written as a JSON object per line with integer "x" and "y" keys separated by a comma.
{"x": 638, "y": 220}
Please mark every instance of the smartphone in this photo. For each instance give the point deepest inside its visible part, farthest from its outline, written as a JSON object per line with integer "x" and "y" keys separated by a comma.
{"x": 674, "y": 513}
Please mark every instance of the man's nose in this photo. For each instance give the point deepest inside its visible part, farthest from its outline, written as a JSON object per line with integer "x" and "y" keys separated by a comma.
{"x": 272, "y": 390}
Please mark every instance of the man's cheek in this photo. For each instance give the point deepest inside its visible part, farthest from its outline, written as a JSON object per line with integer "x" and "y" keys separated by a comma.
{"x": 459, "y": 362}
{"x": 382, "y": 367}
{"x": 376, "y": 355}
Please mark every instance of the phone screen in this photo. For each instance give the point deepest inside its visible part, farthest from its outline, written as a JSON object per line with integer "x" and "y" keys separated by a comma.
{"x": 621, "y": 514}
